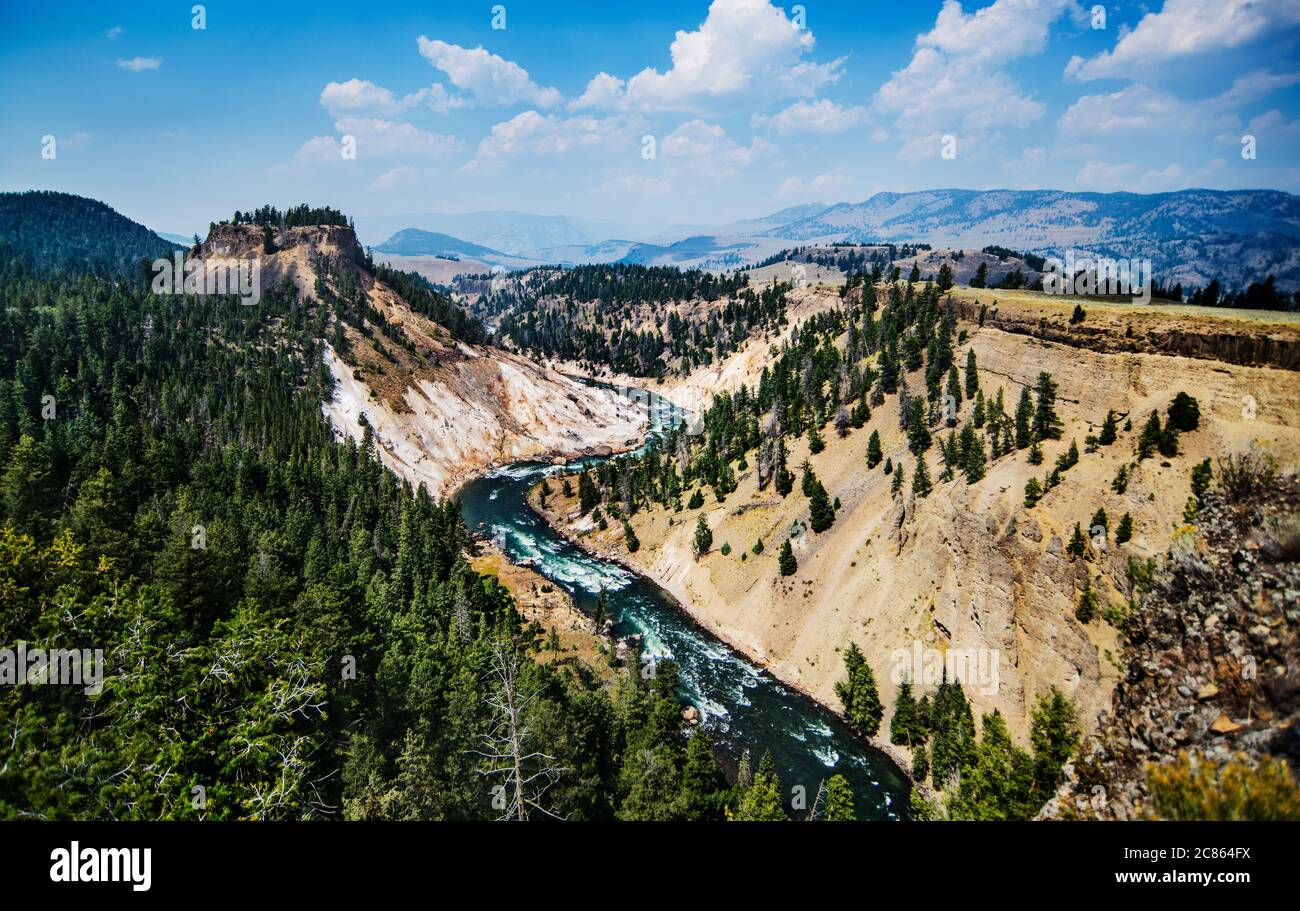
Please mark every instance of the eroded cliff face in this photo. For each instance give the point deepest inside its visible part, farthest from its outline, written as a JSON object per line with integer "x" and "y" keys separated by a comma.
{"x": 1113, "y": 329}
{"x": 968, "y": 570}
{"x": 440, "y": 410}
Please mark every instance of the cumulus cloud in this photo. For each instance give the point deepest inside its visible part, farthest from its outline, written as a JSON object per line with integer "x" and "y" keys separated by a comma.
{"x": 360, "y": 96}
{"x": 709, "y": 147}
{"x": 378, "y": 138}
{"x": 493, "y": 81}
{"x": 954, "y": 83}
{"x": 393, "y": 177}
{"x": 823, "y": 186}
{"x": 139, "y": 64}
{"x": 823, "y": 116}
{"x": 1106, "y": 177}
{"x": 1185, "y": 28}
{"x": 743, "y": 46}
{"x": 532, "y": 133}
{"x": 603, "y": 91}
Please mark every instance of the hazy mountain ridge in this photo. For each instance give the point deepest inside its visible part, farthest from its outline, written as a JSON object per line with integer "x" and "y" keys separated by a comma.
{"x": 1191, "y": 236}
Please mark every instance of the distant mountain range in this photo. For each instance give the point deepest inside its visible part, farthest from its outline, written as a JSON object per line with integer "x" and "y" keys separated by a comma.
{"x": 414, "y": 242}
{"x": 1190, "y": 236}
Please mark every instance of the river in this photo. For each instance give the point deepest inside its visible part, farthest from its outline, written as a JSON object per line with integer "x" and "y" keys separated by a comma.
{"x": 743, "y": 707}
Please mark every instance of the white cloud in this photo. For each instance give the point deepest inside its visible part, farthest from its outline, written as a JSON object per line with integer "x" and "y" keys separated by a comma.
{"x": 360, "y": 96}
{"x": 1102, "y": 176}
{"x": 439, "y": 99}
{"x": 319, "y": 150}
{"x": 394, "y": 177}
{"x": 709, "y": 148}
{"x": 1251, "y": 87}
{"x": 1131, "y": 110}
{"x": 378, "y": 138}
{"x": 1184, "y": 28}
{"x": 532, "y": 133}
{"x": 1002, "y": 31}
{"x": 115, "y": 32}
{"x": 1031, "y": 159}
{"x": 823, "y": 116}
{"x": 492, "y": 80}
{"x": 823, "y": 186}
{"x": 139, "y": 64}
{"x": 954, "y": 83}
{"x": 743, "y": 46}
{"x": 603, "y": 91}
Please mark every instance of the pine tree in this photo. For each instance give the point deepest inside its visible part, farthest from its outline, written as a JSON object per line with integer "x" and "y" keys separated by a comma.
{"x": 1024, "y": 419}
{"x": 905, "y": 728}
{"x": 1150, "y": 437}
{"x": 1035, "y": 456}
{"x": 858, "y": 694}
{"x": 786, "y": 560}
{"x": 921, "y": 485}
{"x": 821, "y": 513}
{"x": 1087, "y": 608}
{"x": 981, "y": 278}
{"x": 918, "y": 434}
{"x": 954, "y": 385}
{"x": 588, "y": 495}
{"x": 761, "y": 802}
{"x": 839, "y": 801}
{"x": 1047, "y": 425}
{"x": 815, "y": 442}
{"x": 1033, "y": 492}
{"x": 1125, "y": 530}
{"x": 1099, "y": 518}
{"x": 696, "y": 500}
{"x": 703, "y": 537}
{"x": 874, "y": 454}
{"x": 896, "y": 486}
{"x": 1078, "y": 543}
{"x": 629, "y": 538}
{"x": 1054, "y": 734}
{"x": 703, "y": 784}
{"x": 952, "y": 732}
{"x": 1108, "y": 429}
{"x": 1184, "y": 413}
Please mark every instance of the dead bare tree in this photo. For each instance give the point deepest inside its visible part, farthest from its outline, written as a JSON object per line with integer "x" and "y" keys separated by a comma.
{"x": 525, "y": 774}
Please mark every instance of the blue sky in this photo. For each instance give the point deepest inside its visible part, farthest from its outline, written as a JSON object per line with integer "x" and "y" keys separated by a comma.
{"x": 751, "y": 106}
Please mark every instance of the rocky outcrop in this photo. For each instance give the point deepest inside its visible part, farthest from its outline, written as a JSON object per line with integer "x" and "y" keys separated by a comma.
{"x": 440, "y": 410}
{"x": 1212, "y": 657}
{"x": 1245, "y": 343}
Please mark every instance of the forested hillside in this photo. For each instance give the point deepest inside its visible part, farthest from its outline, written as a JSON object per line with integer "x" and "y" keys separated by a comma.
{"x": 288, "y": 629}
{"x": 58, "y": 233}
{"x": 636, "y": 320}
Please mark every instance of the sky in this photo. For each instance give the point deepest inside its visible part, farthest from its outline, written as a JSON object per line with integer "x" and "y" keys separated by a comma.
{"x": 648, "y": 113}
